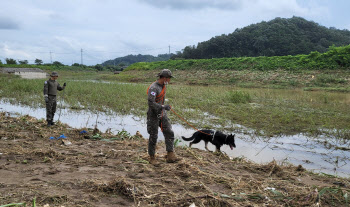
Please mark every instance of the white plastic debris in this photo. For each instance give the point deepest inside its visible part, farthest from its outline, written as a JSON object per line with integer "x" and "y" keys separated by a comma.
{"x": 268, "y": 188}
{"x": 66, "y": 142}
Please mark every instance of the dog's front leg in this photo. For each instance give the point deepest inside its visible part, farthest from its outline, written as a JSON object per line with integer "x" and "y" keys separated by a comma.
{"x": 217, "y": 150}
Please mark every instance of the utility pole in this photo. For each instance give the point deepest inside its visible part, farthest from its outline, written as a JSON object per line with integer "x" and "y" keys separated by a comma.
{"x": 81, "y": 52}
{"x": 169, "y": 49}
{"x": 50, "y": 56}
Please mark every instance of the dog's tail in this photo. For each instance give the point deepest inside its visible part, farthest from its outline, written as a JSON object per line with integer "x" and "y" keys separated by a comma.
{"x": 187, "y": 139}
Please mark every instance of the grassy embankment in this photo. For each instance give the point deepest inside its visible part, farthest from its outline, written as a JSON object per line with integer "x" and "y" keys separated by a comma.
{"x": 326, "y": 71}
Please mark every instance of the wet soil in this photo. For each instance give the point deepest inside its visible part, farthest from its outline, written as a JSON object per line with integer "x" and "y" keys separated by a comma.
{"x": 105, "y": 169}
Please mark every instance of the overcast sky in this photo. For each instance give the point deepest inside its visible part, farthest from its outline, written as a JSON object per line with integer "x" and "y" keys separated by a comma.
{"x": 57, "y": 30}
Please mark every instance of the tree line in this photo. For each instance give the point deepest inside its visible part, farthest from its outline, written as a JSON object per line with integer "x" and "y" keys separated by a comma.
{"x": 278, "y": 37}
{"x": 130, "y": 59}
{"x": 10, "y": 62}
{"x": 117, "y": 64}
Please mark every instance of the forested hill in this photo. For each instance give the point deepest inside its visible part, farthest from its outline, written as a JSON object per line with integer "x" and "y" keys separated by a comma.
{"x": 278, "y": 37}
{"x": 130, "y": 59}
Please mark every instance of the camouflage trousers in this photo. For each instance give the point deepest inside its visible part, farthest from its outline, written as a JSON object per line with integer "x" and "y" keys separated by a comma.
{"x": 51, "y": 108}
{"x": 153, "y": 122}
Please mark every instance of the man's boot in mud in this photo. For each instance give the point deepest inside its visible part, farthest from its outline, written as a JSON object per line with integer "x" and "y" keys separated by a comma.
{"x": 171, "y": 158}
{"x": 152, "y": 160}
{"x": 52, "y": 123}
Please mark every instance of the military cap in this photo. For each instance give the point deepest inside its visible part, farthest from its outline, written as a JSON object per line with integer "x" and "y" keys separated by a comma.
{"x": 54, "y": 74}
{"x": 165, "y": 73}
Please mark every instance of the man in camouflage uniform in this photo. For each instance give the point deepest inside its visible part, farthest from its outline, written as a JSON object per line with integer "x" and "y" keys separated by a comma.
{"x": 157, "y": 117}
{"x": 50, "y": 91}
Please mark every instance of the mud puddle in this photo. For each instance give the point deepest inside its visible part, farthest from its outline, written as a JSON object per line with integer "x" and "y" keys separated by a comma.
{"x": 323, "y": 155}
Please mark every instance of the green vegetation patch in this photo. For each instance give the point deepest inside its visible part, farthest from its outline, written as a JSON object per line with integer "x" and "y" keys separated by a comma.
{"x": 334, "y": 58}
{"x": 267, "y": 112}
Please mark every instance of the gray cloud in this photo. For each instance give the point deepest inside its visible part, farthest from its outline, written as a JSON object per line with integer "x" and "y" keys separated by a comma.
{"x": 195, "y": 4}
{"x": 107, "y": 29}
{"x": 7, "y": 23}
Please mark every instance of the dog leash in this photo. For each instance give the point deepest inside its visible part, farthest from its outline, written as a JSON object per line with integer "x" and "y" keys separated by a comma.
{"x": 190, "y": 124}
{"x": 161, "y": 121}
{"x": 61, "y": 100}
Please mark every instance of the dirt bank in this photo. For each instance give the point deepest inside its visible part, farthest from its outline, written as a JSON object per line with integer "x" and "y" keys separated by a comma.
{"x": 102, "y": 169}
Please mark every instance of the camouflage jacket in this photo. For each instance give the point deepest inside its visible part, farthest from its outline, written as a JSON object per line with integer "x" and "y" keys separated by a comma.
{"x": 156, "y": 98}
{"x": 51, "y": 87}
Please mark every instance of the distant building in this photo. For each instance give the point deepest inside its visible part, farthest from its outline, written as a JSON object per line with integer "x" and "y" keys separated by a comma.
{"x": 28, "y": 73}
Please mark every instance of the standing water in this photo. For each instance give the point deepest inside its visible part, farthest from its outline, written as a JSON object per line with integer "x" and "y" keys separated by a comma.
{"x": 315, "y": 154}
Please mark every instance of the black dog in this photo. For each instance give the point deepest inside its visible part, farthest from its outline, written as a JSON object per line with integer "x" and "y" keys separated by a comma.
{"x": 216, "y": 138}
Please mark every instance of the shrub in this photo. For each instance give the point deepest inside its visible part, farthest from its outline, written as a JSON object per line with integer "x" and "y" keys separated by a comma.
{"x": 239, "y": 97}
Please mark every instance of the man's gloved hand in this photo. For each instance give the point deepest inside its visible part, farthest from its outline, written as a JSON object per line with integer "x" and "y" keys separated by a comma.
{"x": 64, "y": 84}
{"x": 167, "y": 107}
{"x": 46, "y": 99}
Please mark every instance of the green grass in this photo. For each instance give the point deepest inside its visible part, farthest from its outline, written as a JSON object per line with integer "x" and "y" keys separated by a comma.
{"x": 332, "y": 80}
{"x": 239, "y": 97}
{"x": 326, "y": 71}
{"x": 267, "y": 112}
{"x": 334, "y": 58}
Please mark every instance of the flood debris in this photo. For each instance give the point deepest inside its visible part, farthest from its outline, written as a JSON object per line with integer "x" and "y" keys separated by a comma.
{"x": 97, "y": 172}
{"x": 66, "y": 142}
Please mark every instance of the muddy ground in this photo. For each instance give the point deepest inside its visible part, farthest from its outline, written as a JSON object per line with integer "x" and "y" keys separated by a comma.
{"x": 103, "y": 169}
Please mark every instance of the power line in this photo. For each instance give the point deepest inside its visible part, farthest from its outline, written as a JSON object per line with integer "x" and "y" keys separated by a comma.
{"x": 99, "y": 51}
{"x": 64, "y": 53}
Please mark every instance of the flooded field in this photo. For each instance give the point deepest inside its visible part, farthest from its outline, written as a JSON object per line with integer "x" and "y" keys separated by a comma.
{"x": 319, "y": 154}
